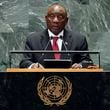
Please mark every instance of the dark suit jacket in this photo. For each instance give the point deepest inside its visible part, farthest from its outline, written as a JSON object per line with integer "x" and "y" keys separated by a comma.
{"x": 40, "y": 41}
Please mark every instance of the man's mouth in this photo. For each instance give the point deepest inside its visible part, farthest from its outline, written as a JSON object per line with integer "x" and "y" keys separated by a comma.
{"x": 55, "y": 27}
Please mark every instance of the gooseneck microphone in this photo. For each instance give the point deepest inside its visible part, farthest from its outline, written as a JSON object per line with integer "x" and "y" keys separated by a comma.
{"x": 50, "y": 38}
{"x": 65, "y": 43}
{"x": 61, "y": 37}
{"x": 49, "y": 41}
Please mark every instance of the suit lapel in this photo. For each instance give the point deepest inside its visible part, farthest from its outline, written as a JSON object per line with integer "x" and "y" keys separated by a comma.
{"x": 66, "y": 44}
{"x": 46, "y": 44}
{"x": 67, "y": 40}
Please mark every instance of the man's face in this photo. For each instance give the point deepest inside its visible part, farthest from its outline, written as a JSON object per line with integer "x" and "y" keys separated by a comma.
{"x": 56, "y": 19}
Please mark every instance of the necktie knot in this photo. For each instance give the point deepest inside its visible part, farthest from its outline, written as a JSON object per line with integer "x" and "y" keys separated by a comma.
{"x": 55, "y": 39}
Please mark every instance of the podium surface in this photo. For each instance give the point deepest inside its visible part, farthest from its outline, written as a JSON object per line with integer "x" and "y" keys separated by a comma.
{"x": 53, "y": 70}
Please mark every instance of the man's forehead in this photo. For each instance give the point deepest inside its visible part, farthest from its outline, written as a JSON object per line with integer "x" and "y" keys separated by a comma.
{"x": 56, "y": 9}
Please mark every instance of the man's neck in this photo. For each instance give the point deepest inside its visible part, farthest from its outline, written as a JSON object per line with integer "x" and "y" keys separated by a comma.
{"x": 52, "y": 34}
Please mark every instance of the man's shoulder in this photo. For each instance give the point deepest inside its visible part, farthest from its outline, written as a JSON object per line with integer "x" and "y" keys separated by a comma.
{"x": 74, "y": 34}
{"x": 36, "y": 35}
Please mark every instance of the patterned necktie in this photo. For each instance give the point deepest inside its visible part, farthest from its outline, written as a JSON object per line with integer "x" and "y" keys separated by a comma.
{"x": 56, "y": 48}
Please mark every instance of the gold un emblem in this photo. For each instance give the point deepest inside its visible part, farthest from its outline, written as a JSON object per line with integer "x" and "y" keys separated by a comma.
{"x": 54, "y": 90}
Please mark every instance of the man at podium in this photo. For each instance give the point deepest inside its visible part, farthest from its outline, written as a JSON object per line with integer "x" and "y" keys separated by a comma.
{"x": 56, "y": 38}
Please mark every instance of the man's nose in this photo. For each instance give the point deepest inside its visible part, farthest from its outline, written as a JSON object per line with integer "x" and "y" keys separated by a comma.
{"x": 55, "y": 19}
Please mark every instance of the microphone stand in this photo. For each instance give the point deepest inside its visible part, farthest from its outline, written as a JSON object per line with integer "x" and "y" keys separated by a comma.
{"x": 50, "y": 38}
{"x": 61, "y": 37}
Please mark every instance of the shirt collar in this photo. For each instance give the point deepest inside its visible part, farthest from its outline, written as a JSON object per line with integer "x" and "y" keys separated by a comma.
{"x": 52, "y": 35}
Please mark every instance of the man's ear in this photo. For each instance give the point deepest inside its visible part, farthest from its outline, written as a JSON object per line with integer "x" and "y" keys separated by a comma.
{"x": 45, "y": 18}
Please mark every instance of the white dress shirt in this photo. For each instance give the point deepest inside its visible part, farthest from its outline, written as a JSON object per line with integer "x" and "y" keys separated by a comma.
{"x": 59, "y": 41}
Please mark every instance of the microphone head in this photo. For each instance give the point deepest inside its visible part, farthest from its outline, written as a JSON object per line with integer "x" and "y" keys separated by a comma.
{"x": 51, "y": 38}
{"x": 66, "y": 43}
{"x": 61, "y": 37}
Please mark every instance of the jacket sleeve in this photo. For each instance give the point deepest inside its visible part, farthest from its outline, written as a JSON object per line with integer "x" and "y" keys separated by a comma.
{"x": 27, "y": 59}
{"x": 85, "y": 59}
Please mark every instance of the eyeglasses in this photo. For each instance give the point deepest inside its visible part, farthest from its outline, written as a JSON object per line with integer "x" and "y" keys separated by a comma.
{"x": 59, "y": 17}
